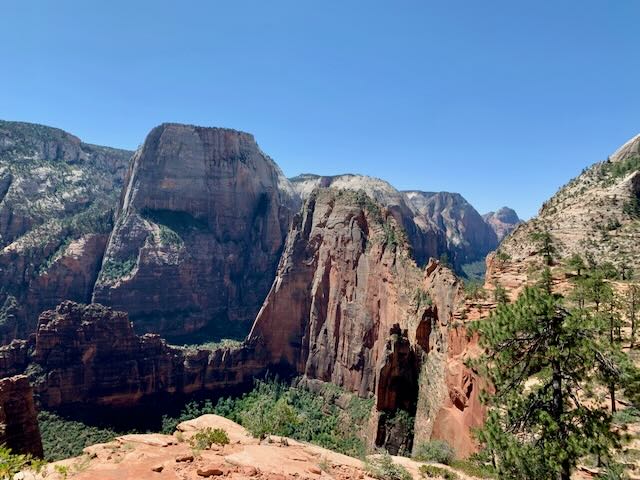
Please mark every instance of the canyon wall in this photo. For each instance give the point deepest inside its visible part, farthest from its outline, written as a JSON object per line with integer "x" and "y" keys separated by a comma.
{"x": 57, "y": 196}
{"x": 19, "y": 429}
{"x": 198, "y": 234}
{"x": 89, "y": 354}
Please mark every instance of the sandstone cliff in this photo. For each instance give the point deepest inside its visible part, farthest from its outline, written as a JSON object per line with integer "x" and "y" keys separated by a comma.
{"x": 349, "y": 306}
{"x": 198, "y": 234}
{"x": 19, "y": 429}
{"x": 90, "y": 354}
{"x": 56, "y": 201}
{"x": 469, "y": 238}
{"x": 503, "y": 221}
{"x": 595, "y": 215}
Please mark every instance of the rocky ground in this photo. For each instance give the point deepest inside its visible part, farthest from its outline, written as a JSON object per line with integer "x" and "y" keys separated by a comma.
{"x": 156, "y": 457}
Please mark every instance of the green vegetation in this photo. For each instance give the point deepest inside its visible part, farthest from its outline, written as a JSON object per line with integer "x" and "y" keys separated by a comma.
{"x": 621, "y": 169}
{"x": 223, "y": 343}
{"x": 383, "y": 468}
{"x": 432, "y": 471}
{"x": 546, "y": 358}
{"x": 474, "y": 467}
{"x": 169, "y": 237}
{"x": 273, "y": 408}
{"x": 421, "y": 298}
{"x": 64, "y": 438}
{"x": 434, "y": 451}
{"x": 632, "y": 207}
{"x": 203, "y": 439}
{"x": 474, "y": 271}
{"x": 58, "y": 252}
{"x": 474, "y": 290}
{"x": 114, "y": 269}
{"x": 626, "y": 416}
{"x": 11, "y": 463}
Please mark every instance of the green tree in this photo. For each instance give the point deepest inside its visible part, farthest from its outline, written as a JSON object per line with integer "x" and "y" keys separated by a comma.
{"x": 540, "y": 358}
{"x": 500, "y": 295}
{"x": 546, "y": 247}
{"x": 576, "y": 263}
{"x": 633, "y": 295}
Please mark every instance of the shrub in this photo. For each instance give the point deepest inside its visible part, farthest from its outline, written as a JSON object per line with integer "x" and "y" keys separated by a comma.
{"x": 431, "y": 471}
{"x": 434, "y": 451}
{"x": 203, "y": 439}
{"x": 64, "y": 438}
{"x": 383, "y": 468}
{"x": 11, "y": 463}
{"x": 114, "y": 269}
{"x": 276, "y": 409}
{"x": 474, "y": 467}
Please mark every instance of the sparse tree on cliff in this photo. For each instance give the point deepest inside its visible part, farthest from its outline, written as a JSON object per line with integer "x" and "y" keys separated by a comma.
{"x": 541, "y": 357}
{"x": 546, "y": 359}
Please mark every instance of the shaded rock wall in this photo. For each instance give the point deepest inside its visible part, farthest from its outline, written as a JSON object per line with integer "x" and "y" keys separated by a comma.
{"x": 199, "y": 231}
{"x": 90, "y": 354}
{"x": 18, "y": 417}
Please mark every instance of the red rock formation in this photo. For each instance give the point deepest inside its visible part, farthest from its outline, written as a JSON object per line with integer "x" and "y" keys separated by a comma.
{"x": 18, "y": 418}
{"x": 462, "y": 410}
{"x": 199, "y": 231}
{"x": 344, "y": 280}
{"x": 350, "y": 307}
{"x": 90, "y": 354}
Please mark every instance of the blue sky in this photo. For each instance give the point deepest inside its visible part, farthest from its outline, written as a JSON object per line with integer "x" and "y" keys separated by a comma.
{"x": 502, "y": 101}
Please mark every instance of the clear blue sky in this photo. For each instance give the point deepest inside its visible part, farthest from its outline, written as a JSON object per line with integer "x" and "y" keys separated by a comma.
{"x": 502, "y": 101}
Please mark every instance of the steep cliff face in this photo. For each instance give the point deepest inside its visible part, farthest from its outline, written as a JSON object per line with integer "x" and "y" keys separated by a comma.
{"x": 503, "y": 221}
{"x": 90, "y": 354}
{"x": 427, "y": 240}
{"x": 199, "y": 231}
{"x": 19, "y": 429}
{"x": 469, "y": 238}
{"x": 56, "y": 200}
{"x": 349, "y": 306}
{"x": 596, "y": 215}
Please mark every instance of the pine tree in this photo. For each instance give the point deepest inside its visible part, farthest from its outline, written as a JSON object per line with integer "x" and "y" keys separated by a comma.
{"x": 540, "y": 358}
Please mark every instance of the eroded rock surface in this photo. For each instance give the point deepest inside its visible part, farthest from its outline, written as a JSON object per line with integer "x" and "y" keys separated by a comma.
{"x": 90, "y": 354}
{"x": 19, "y": 429}
{"x": 503, "y": 221}
{"x": 57, "y": 195}
{"x": 199, "y": 232}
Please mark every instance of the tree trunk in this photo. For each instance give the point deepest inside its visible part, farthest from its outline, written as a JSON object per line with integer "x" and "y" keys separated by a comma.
{"x": 557, "y": 410}
{"x": 612, "y": 392}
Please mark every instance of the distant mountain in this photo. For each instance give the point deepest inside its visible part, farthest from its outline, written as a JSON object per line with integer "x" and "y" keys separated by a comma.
{"x": 469, "y": 238}
{"x": 57, "y": 196}
{"x": 437, "y": 223}
{"x": 503, "y": 221}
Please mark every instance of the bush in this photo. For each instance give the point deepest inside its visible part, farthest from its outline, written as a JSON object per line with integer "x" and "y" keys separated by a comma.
{"x": 434, "y": 451}
{"x": 276, "y": 409}
{"x": 11, "y": 463}
{"x": 474, "y": 467}
{"x": 203, "y": 439}
{"x": 383, "y": 468}
{"x": 64, "y": 438}
{"x": 431, "y": 471}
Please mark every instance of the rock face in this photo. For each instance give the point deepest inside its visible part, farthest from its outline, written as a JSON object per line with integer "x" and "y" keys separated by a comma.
{"x": 90, "y": 354}
{"x": 199, "y": 232}
{"x": 502, "y": 221}
{"x": 595, "y": 215}
{"x": 350, "y": 307}
{"x": 436, "y": 223}
{"x": 469, "y": 238}
{"x": 18, "y": 418}
{"x": 56, "y": 200}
